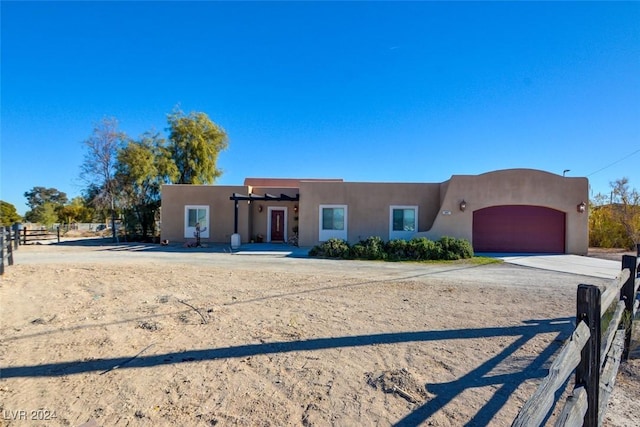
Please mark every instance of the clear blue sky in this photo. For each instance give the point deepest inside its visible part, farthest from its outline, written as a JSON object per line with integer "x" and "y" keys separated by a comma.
{"x": 365, "y": 91}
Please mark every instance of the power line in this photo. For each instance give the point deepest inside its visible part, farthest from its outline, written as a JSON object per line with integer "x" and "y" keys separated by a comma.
{"x": 615, "y": 163}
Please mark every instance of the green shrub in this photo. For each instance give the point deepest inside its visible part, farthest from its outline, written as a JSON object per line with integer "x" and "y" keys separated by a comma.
{"x": 453, "y": 248}
{"x": 421, "y": 248}
{"x": 371, "y": 248}
{"x": 332, "y": 248}
{"x": 465, "y": 249}
{"x": 357, "y": 251}
{"x": 396, "y": 249}
{"x": 374, "y": 248}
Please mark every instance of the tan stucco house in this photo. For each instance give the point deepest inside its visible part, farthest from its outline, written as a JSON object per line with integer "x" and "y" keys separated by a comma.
{"x": 514, "y": 210}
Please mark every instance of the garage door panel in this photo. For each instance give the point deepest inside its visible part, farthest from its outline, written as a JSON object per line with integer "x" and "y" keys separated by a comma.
{"x": 519, "y": 228}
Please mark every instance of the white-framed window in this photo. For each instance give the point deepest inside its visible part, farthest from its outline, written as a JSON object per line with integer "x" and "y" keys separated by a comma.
{"x": 333, "y": 222}
{"x": 194, "y": 215}
{"x": 403, "y": 222}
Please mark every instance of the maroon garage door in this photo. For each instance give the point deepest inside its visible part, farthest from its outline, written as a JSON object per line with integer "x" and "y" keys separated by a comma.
{"x": 518, "y": 229}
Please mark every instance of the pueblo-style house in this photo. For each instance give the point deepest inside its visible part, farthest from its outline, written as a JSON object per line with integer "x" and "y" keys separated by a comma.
{"x": 514, "y": 210}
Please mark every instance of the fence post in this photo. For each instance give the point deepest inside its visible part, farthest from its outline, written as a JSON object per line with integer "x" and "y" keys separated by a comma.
{"x": 1, "y": 250}
{"x": 58, "y": 234}
{"x": 16, "y": 236}
{"x": 24, "y": 232}
{"x": 9, "y": 246}
{"x": 627, "y": 294}
{"x": 588, "y": 370}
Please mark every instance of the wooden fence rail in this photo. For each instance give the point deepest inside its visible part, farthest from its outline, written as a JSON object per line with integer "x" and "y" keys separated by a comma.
{"x": 11, "y": 237}
{"x": 595, "y": 355}
{"x": 29, "y": 236}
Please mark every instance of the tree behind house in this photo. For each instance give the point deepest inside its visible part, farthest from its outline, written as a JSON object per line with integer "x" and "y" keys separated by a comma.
{"x": 75, "y": 211}
{"x": 626, "y": 209}
{"x": 614, "y": 219}
{"x": 194, "y": 144}
{"x": 99, "y": 166}
{"x": 125, "y": 175}
{"x": 37, "y": 197}
{"x": 143, "y": 166}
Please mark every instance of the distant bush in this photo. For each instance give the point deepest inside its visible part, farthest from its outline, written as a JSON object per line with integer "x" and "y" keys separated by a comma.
{"x": 417, "y": 249}
{"x": 332, "y": 248}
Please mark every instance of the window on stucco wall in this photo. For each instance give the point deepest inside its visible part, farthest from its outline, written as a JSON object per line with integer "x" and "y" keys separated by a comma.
{"x": 333, "y": 222}
{"x": 193, "y": 215}
{"x": 403, "y": 222}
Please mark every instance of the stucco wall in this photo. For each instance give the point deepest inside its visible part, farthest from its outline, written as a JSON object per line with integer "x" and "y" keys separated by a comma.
{"x": 368, "y": 206}
{"x": 260, "y": 219}
{"x": 221, "y": 211}
{"x": 513, "y": 187}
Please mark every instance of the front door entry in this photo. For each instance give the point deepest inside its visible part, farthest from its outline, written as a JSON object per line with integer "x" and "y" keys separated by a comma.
{"x": 277, "y": 226}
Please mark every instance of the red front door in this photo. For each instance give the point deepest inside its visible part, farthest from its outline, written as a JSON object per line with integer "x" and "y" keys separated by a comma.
{"x": 277, "y": 226}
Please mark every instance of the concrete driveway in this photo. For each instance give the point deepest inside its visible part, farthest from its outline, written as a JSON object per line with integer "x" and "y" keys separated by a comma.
{"x": 575, "y": 264}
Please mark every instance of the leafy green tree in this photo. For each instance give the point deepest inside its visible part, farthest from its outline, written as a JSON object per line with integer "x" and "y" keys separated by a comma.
{"x": 194, "y": 144}
{"x": 143, "y": 166}
{"x": 99, "y": 166}
{"x": 33, "y": 215}
{"x": 48, "y": 215}
{"x": 37, "y": 197}
{"x": 76, "y": 211}
{"x": 8, "y": 214}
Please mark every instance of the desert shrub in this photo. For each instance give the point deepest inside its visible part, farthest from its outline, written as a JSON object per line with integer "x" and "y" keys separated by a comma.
{"x": 358, "y": 251}
{"x": 421, "y": 248}
{"x": 453, "y": 248}
{"x": 396, "y": 249}
{"x": 332, "y": 248}
{"x": 374, "y": 248}
{"x": 371, "y": 248}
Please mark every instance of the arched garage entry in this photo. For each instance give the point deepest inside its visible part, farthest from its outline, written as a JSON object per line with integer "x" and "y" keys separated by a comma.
{"x": 518, "y": 228}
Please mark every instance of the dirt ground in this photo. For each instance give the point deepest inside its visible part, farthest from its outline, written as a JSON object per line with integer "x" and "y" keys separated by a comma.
{"x": 610, "y": 253}
{"x": 133, "y": 335}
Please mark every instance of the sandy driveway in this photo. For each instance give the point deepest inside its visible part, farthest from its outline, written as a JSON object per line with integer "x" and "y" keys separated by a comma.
{"x": 131, "y": 335}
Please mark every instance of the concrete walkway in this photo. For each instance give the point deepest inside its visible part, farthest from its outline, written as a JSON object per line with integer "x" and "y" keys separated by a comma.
{"x": 272, "y": 249}
{"x": 575, "y": 264}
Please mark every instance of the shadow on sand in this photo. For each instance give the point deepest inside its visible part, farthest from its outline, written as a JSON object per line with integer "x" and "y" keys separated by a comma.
{"x": 506, "y": 380}
{"x": 107, "y": 244}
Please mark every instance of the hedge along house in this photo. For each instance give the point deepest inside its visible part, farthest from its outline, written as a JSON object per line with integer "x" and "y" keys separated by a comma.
{"x": 515, "y": 210}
